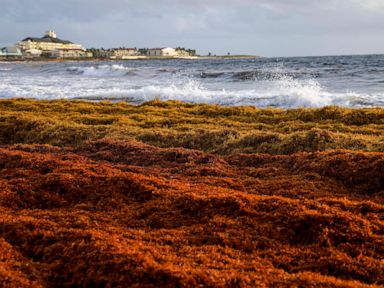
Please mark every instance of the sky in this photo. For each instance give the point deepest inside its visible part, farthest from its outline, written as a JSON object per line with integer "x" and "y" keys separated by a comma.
{"x": 256, "y": 27}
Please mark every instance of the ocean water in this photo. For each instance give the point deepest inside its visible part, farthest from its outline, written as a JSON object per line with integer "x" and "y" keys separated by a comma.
{"x": 348, "y": 81}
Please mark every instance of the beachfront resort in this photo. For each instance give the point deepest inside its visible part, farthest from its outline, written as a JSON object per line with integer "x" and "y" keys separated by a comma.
{"x": 50, "y": 46}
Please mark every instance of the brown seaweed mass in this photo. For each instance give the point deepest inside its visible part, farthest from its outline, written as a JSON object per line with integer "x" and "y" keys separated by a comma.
{"x": 126, "y": 214}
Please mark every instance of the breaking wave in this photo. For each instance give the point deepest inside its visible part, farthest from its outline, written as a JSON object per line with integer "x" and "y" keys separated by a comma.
{"x": 114, "y": 70}
{"x": 288, "y": 83}
{"x": 285, "y": 94}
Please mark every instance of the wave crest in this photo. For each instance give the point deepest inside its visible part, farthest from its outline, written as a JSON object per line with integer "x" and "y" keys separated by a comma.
{"x": 114, "y": 70}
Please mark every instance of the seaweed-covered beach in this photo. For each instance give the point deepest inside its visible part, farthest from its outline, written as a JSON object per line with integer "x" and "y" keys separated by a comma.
{"x": 171, "y": 194}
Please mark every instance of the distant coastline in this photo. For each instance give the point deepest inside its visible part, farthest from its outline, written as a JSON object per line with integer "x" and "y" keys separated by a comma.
{"x": 133, "y": 58}
{"x": 50, "y": 48}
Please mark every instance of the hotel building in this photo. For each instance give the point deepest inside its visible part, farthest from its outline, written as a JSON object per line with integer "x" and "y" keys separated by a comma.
{"x": 52, "y": 46}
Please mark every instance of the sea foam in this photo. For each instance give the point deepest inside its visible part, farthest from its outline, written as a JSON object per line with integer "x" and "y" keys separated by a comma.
{"x": 100, "y": 71}
{"x": 298, "y": 83}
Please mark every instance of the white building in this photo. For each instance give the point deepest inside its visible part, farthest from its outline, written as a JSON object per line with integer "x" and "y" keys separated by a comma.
{"x": 49, "y": 44}
{"x": 162, "y": 52}
{"x": 11, "y": 51}
{"x": 124, "y": 52}
{"x": 32, "y": 53}
{"x": 69, "y": 53}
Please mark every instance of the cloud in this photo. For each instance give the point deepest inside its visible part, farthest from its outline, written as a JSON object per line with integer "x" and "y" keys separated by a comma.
{"x": 377, "y": 5}
{"x": 269, "y": 27}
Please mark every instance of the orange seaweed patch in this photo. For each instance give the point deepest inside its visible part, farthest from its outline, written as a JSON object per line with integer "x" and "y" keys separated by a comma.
{"x": 123, "y": 213}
